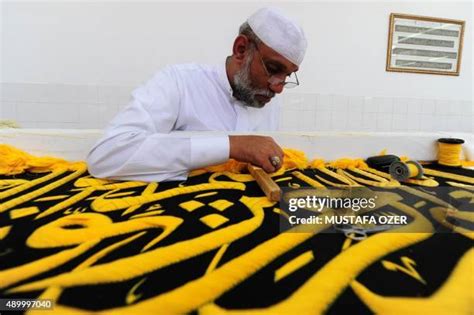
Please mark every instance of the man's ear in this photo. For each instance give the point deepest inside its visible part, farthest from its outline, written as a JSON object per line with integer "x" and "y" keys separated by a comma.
{"x": 241, "y": 48}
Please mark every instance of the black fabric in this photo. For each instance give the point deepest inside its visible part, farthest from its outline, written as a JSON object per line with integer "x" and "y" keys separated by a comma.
{"x": 435, "y": 257}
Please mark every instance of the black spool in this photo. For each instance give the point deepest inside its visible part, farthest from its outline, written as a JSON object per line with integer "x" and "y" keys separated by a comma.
{"x": 451, "y": 140}
{"x": 382, "y": 162}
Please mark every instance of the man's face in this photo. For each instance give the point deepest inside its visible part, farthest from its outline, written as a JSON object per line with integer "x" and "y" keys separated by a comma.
{"x": 251, "y": 84}
{"x": 245, "y": 88}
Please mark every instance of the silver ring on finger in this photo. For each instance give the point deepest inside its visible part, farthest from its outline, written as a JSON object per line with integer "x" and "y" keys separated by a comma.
{"x": 275, "y": 160}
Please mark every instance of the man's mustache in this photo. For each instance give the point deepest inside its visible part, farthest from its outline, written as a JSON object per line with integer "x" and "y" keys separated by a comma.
{"x": 266, "y": 93}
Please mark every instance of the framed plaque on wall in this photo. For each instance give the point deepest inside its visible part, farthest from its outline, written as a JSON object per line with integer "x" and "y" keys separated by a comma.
{"x": 424, "y": 44}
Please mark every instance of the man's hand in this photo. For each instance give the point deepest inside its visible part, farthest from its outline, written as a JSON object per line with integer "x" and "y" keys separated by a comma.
{"x": 257, "y": 150}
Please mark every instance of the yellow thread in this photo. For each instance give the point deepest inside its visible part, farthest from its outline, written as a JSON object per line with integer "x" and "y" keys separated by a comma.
{"x": 131, "y": 210}
{"x": 294, "y": 159}
{"x": 335, "y": 275}
{"x": 191, "y": 205}
{"x": 413, "y": 170}
{"x": 461, "y": 178}
{"x": 459, "y": 185}
{"x": 242, "y": 178}
{"x": 213, "y": 220}
{"x": 307, "y": 180}
{"x": 331, "y": 279}
{"x": 349, "y": 163}
{"x": 427, "y": 182}
{"x": 293, "y": 265}
{"x": 426, "y": 196}
{"x": 281, "y": 212}
{"x": 147, "y": 214}
{"x": 73, "y": 211}
{"x": 238, "y": 269}
{"x": 23, "y": 212}
{"x": 420, "y": 204}
{"x": 347, "y": 242}
{"x": 131, "y": 296}
{"x": 347, "y": 181}
{"x": 340, "y": 177}
{"x": 102, "y": 204}
{"x": 217, "y": 257}
{"x": 104, "y": 252}
{"x": 221, "y": 204}
{"x": 54, "y": 292}
{"x": 327, "y": 182}
{"x": 441, "y": 213}
{"x": 368, "y": 174}
{"x": 282, "y": 179}
{"x": 27, "y": 185}
{"x": 154, "y": 207}
{"x": 449, "y": 154}
{"x": 407, "y": 268}
{"x": 194, "y": 173}
{"x": 458, "y": 194}
{"x": 150, "y": 189}
{"x": 85, "y": 193}
{"x": 317, "y": 163}
{"x": 151, "y": 306}
{"x": 94, "y": 226}
{"x": 14, "y": 161}
{"x": 453, "y": 297}
{"x": 221, "y": 279}
{"x": 89, "y": 182}
{"x": 378, "y": 182}
{"x": 467, "y": 163}
{"x": 10, "y": 183}
{"x": 463, "y": 215}
{"x": 52, "y": 198}
{"x": 4, "y": 231}
{"x": 43, "y": 190}
{"x": 144, "y": 263}
{"x": 120, "y": 194}
{"x": 206, "y": 194}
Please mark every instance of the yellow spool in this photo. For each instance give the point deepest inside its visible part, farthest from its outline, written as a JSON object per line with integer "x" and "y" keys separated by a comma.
{"x": 413, "y": 170}
{"x": 402, "y": 171}
{"x": 449, "y": 151}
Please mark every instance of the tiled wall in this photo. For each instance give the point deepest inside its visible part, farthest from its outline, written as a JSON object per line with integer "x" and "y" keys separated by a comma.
{"x": 74, "y": 106}
{"x": 61, "y": 106}
{"x": 314, "y": 112}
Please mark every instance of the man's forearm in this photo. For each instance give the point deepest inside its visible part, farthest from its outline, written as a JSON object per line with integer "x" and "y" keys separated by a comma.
{"x": 156, "y": 157}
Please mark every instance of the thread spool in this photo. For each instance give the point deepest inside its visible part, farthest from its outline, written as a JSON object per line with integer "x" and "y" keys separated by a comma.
{"x": 402, "y": 171}
{"x": 382, "y": 162}
{"x": 449, "y": 152}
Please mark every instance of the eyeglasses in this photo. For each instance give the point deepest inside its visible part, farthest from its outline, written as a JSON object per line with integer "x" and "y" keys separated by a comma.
{"x": 289, "y": 83}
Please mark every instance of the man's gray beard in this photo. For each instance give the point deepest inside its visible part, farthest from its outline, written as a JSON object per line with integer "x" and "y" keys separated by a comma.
{"x": 243, "y": 90}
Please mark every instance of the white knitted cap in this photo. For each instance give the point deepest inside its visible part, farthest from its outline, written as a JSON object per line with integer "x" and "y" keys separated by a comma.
{"x": 280, "y": 33}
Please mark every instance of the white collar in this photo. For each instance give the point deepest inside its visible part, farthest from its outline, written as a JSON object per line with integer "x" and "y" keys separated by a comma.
{"x": 222, "y": 72}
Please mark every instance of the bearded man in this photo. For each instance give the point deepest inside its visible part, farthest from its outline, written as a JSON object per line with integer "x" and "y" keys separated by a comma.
{"x": 139, "y": 143}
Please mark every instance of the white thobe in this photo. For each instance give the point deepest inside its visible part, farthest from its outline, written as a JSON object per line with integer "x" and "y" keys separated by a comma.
{"x": 139, "y": 143}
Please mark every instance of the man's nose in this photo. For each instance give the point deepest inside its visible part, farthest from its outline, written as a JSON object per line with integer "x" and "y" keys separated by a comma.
{"x": 277, "y": 88}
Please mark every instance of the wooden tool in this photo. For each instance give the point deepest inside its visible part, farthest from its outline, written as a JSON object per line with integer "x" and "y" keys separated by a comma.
{"x": 266, "y": 183}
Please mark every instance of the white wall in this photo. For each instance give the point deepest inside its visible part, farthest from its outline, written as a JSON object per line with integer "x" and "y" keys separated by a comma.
{"x": 73, "y": 64}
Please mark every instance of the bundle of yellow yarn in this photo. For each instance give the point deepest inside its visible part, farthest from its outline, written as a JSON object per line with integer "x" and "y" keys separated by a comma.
{"x": 15, "y": 161}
